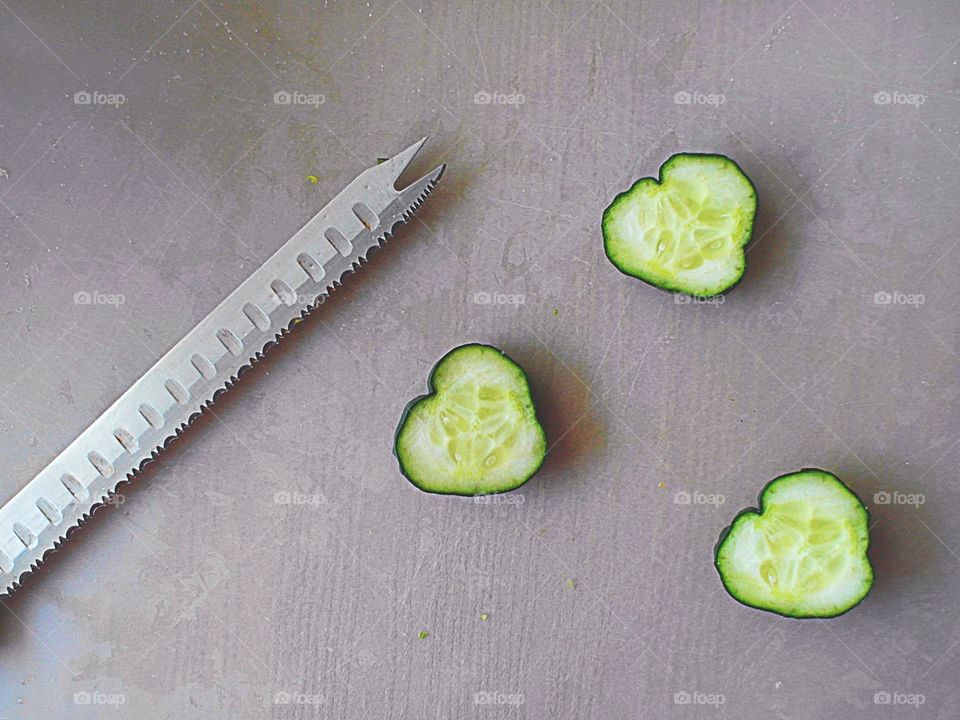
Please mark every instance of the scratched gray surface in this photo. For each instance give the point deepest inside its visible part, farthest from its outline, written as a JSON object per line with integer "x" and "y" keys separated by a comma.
{"x": 275, "y": 564}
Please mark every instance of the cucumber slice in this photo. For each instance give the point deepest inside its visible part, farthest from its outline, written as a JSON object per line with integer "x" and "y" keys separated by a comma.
{"x": 803, "y": 554}
{"x": 477, "y": 432}
{"x": 685, "y": 232}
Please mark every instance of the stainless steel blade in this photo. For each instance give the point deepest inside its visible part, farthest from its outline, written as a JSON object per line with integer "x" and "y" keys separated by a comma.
{"x": 207, "y": 361}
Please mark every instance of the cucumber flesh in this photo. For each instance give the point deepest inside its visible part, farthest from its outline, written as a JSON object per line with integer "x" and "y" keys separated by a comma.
{"x": 804, "y": 553}
{"x": 476, "y": 432}
{"x": 685, "y": 232}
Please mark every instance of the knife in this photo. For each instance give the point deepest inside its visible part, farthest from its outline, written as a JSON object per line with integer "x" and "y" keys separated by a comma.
{"x": 206, "y": 362}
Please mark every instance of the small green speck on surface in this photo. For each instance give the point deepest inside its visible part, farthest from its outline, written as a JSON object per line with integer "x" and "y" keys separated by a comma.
{"x": 423, "y": 635}
{"x": 571, "y": 584}
{"x": 313, "y": 179}
{"x": 484, "y": 616}
{"x": 556, "y": 312}
{"x": 381, "y": 161}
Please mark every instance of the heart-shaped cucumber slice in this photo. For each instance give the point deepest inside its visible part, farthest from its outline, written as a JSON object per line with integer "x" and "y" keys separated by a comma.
{"x": 687, "y": 231}
{"x": 803, "y": 553}
{"x": 477, "y": 432}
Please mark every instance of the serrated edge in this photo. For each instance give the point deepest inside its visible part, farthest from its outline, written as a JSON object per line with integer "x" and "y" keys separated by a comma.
{"x": 18, "y": 579}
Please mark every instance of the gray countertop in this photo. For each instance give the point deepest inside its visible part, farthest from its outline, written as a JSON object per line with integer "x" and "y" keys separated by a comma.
{"x": 275, "y": 563}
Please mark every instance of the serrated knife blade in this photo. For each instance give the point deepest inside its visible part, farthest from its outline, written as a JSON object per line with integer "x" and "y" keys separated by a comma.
{"x": 206, "y": 362}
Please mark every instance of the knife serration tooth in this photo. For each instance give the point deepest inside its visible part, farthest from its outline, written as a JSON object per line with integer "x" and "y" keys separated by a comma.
{"x": 365, "y": 215}
{"x": 28, "y": 539}
{"x": 151, "y": 415}
{"x": 230, "y": 341}
{"x": 50, "y": 511}
{"x": 103, "y": 466}
{"x": 257, "y": 316}
{"x": 416, "y": 192}
{"x": 284, "y": 292}
{"x": 339, "y": 241}
{"x": 311, "y": 266}
{"x": 177, "y": 391}
{"x": 74, "y": 487}
{"x": 204, "y": 366}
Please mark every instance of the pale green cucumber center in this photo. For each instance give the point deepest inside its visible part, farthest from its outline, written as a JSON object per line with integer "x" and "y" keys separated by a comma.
{"x": 477, "y": 426}
{"x": 684, "y": 227}
{"x": 801, "y": 551}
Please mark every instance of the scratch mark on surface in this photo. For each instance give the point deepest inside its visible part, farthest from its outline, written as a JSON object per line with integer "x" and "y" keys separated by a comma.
{"x": 531, "y": 207}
